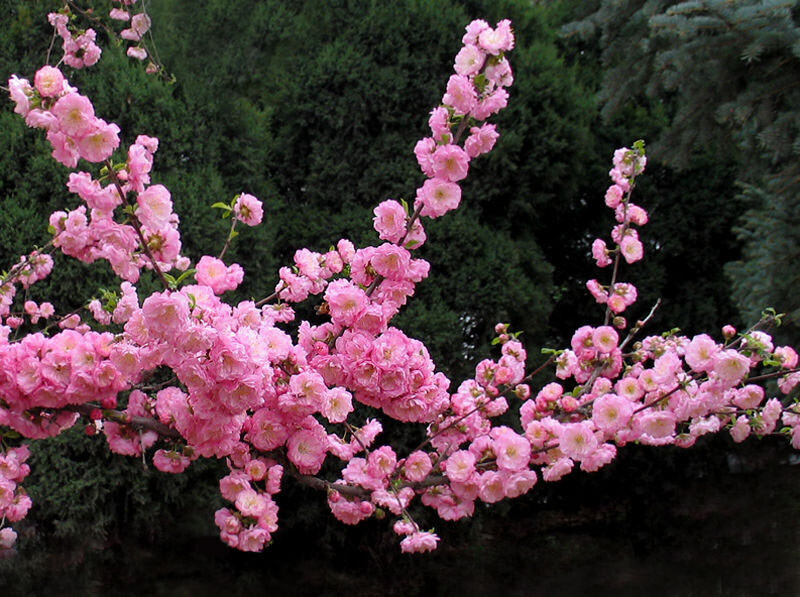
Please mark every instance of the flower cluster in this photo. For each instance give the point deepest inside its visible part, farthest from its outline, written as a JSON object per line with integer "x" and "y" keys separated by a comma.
{"x": 14, "y": 501}
{"x": 628, "y": 164}
{"x": 80, "y": 49}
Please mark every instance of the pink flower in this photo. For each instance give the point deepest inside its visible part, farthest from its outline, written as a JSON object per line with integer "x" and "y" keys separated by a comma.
{"x": 417, "y": 466}
{"x": 614, "y": 196}
{"x": 438, "y": 196}
{"x": 155, "y": 207}
{"x": 390, "y": 220}
{"x": 450, "y": 162}
{"x": 213, "y": 273}
{"x": 119, "y": 15}
{"x": 491, "y": 104}
{"x": 137, "y": 52}
{"x": 460, "y": 466}
{"x": 469, "y": 60}
{"x": 306, "y": 449}
{"x": 337, "y": 404}
{"x": 611, "y": 412}
{"x": 75, "y": 115}
{"x": 346, "y": 301}
{"x": 21, "y": 92}
{"x": 170, "y": 461}
{"x": 577, "y": 440}
{"x": 98, "y": 144}
{"x": 8, "y": 537}
{"x": 460, "y": 94}
{"x": 513, "y": 451}
{"x": 500, "y": 39}
{"x": 730, "y": 367}
{"x": 439, "y": 123}
{"x": 631, "y": 249}
{"x": 419, "y": 542}
{"x": 423, "y": 150}
{"x": 248, "y": 210}
{"x": 481, "y": 140}
{"x": 49, "y": 81}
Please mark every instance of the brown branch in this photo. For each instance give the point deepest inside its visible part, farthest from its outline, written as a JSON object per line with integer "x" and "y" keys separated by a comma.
{"x": 122, "y": 418}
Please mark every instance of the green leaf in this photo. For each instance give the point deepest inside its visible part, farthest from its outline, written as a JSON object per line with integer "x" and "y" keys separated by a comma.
{"x": 220, "y": 205}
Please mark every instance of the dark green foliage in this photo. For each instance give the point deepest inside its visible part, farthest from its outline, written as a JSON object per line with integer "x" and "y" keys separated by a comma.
{"x": 727, "y": 73}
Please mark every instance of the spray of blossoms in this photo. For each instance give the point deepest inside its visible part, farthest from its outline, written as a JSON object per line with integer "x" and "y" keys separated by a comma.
{"x": 182, "y": 374}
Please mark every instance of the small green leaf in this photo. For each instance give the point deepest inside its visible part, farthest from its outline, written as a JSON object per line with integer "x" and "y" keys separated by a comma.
{"x": 220, "y": 205}
{"x": 184, "y": 275}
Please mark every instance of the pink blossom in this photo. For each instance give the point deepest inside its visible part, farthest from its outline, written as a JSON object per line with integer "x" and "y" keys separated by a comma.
{"x": 100, "y": 142}
{"x": 21, "y": 92}
{"x": 419, "y": 542}
{"x": 119, "y": 15}
{"x": 8, "y": 537}
{"x": 390, "y": 220}
{"x": 49, "y": 81}
{"x": 248, "y": 210}
{"x": 155, "y": 207}
{"x": 460, "y": 466}
{"x": 481, "y": 140}
{"x": 213, "y": 273}
{"x": 423, "y": 150}
{"x": 611, "y": 412}
{"x": 631, "y": 249}
{"x": 460, "y": 94}
{"x": 450, "y": 163}
{"x": 469, "y": 60}
{"x": 577, "y": 440}
{"x": 438, "y": 196}
{"x": 75, "y": 115}
{"x": 417, "y": 466}
{"x": 137, "y": 52}
{"x": 306, "y": 449}
{"x": 439, "y": 123}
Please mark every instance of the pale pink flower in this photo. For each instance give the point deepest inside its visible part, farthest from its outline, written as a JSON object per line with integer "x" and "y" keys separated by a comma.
{"x": 8, "y": 537}
{"x": 438, "y": 196}
{"x": 611, "y": 412}
{"x": 469, "y": 60}
{"x": 213, "y": 273}
{"x": 390, "y": 220}
{"x": 423, "y": 150}
{"x": 417, "y": 466}
{"x": 460, "y": 94}
{"x": 49, "y": 81}
{"x": 700, "y": 353}
{"x": 460, "y": 466}
{"x": 631, "y": 248}
{"x": 21, "y": 92}
{"x": 119, "y": 15}
{"x": 450, "y": 162}
{"x": 98, "y": 144}
{"x": 248, "y": 210}
{"x": 577, "y": 440}
{"x": 730, "y": 367}
{"x": 513, "y": 451}
{"x": 137, "y": 52}
{"x": 306, "y": 449}
{"x": 481, "y": 140}
{"x": 419, "y": 542}
{"x": 155, "y": 207}
{"x": 75, "y": 115}
{"x": 605, "y": 338}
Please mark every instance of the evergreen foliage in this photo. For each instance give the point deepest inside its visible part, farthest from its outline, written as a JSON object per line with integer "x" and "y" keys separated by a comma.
{"x": 728, "y": 73}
